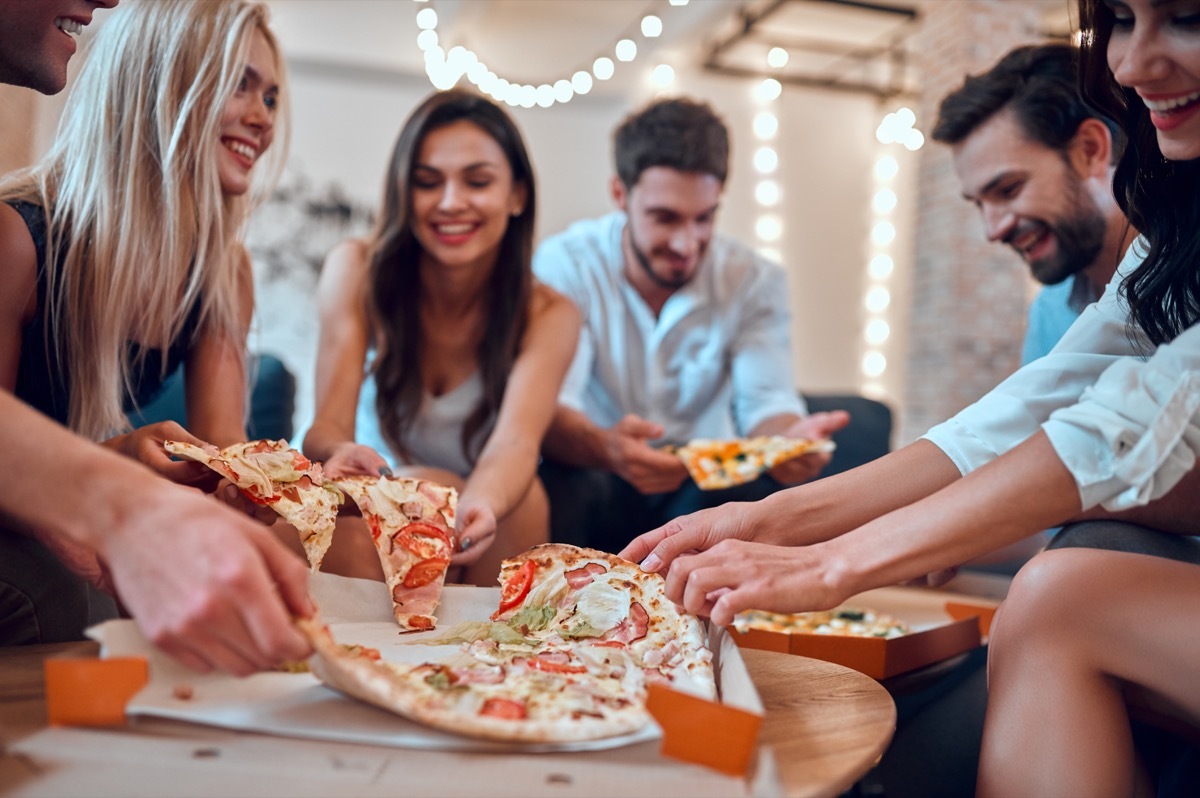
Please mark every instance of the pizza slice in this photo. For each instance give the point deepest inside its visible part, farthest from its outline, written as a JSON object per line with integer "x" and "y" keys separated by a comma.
{"x": 839, "y": 622}
{"x": 717, "y": 464}
{"x": 412, "y": 523}
{"x": 584, "y": 599}
{"x": 275, "y": 474}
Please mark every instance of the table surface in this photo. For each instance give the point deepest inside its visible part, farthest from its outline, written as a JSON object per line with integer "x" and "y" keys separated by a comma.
{"x": 825, "y": 726}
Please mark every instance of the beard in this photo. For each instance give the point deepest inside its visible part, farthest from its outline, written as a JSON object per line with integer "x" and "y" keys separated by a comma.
{"x": 673, "y": 282}
{"x": 1079, "y": 238}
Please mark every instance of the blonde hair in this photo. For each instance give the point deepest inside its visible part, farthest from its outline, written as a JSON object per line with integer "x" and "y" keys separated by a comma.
{"x": 138, "y": 228}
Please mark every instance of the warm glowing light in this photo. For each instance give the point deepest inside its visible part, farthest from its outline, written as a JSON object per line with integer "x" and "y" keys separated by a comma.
{"x": 883, "y": 233}
{"x": 426, "y": 19}
{"x": 626, "y": 50}
{"x": 563, "y": 91}
{"x": 777, "y": 57}
{"x": 770, "y": 253}
{"x": 877, "y": 299}
{"x": 768, "y": 90}
{"x": 662, "y": 76}
{"x": 887, "y": 167}
{"x": 651, "y": 26}
{"x": 769, "y": 228}
{"x": 603, "y": 68}
{"x": 427, "y": 39}
{"x": 877, "y": 331}
{"x": 544, "y": 95}
{"x": 678, "y": 2}
{"x": 884, "y": 201}
{"x": 768, "y": 193}
{"x": 766, "y": 125}
{"x": 766, "y": 160}
{"x": 874, "y": 364}
{"x": 880, "y": 267}
{"x": 581, "y": 82}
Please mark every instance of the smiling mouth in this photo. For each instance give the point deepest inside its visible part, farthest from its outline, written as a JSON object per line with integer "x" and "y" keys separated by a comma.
{"x": 1173, "y": 105}
{"x": 241, "y": 148}
{"x": 455, "y": 229}
{"x": 69, "y": 26}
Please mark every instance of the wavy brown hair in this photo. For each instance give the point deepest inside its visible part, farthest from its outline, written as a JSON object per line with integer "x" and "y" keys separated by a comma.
{"x": 394, "y": 288}
{"x": 1159, "y": 196}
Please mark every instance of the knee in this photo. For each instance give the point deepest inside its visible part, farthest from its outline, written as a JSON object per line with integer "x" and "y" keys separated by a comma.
{"x": 1047, "y": 589}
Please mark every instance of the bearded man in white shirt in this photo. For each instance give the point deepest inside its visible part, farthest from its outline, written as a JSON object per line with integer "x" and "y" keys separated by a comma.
{"x": 686, "y": 335}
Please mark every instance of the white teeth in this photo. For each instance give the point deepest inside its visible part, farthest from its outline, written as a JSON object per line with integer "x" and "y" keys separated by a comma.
{"x": 68, "y": 26}
{"x": 1166, "y": 106}
{"x": 244, "y": 150}
{"x": 454, "y": 229}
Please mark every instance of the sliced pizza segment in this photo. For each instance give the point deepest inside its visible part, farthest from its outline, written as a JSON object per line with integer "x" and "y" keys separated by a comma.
{"x": 717, "y": 464}
{"x": 594, "y": 601}
{"x": 275, "y": 474}
{"x": 843, "y": 621}
{"x": 412, "y": 523}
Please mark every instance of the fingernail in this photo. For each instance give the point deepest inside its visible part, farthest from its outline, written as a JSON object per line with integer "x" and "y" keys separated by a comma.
{"x": 651, "y": 563}
{"x": 465, "y": 544}
{"x": 384, "y": 471}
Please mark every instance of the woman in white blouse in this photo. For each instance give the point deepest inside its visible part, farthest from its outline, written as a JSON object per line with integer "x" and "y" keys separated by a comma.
{"x": 1107, "y": 425}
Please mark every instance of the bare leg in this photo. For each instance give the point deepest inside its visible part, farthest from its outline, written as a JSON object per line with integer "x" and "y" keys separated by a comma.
{"x": 527, "y": 525}
{"x": 1079, "y": 627}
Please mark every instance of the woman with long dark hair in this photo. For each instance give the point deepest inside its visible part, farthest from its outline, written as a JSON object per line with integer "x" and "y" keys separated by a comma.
{"x": 462, "y": 351}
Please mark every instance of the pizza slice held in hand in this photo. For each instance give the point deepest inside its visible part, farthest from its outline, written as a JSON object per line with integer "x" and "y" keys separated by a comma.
{"x": 717, "y": 464}
{"x": 412, "y": 523}
{"x": 274, "y": 474}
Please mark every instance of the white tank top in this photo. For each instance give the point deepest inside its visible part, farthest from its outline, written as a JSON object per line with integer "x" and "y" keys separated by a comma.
{"x": 435, "y": 438}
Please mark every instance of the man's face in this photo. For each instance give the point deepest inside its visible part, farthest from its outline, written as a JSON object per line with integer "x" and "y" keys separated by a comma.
{"x": 37, "y": 39}
{"x": 1031, "y": 198}
{"x": 671, "y": 218}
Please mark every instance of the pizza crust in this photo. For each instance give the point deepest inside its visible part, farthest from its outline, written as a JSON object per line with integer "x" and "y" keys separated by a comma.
{"x": 719, "y": 464}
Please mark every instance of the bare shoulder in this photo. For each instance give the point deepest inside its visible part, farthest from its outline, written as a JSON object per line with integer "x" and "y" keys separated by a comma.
{"x": 345, "y": 269}
{"x": 545, "y": 302}
{"x": 18, "y": 262}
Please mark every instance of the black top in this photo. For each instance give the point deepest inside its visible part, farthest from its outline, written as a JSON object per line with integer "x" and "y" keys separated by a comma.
{"x": 41, "y": 376}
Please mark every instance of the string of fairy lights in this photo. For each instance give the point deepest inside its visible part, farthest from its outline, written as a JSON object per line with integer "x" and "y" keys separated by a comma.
{"x": 446, "y": 67}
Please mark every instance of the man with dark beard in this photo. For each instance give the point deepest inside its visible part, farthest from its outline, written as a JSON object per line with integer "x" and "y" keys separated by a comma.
{"x": 686, "y": 335}
{"x": 1038, "y": 163}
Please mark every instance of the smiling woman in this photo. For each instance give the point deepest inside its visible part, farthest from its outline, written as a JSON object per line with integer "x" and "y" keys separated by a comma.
{"x": 462, "y": 351}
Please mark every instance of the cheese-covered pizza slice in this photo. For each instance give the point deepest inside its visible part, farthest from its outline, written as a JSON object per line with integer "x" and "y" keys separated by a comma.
{"x": 840, "y": 622}
{"x": 585, "y": 598}
{"x": 275, "y": 474}
{"x": 412, "y": 524}
{"x": 717, "y": 464}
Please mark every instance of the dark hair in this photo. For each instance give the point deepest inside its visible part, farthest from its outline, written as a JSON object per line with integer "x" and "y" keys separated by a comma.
{"x": 680, "y": 134}
{"x": 1160, "y": 197}
{"x": 394, "y": 274}
{"x": 1038, "y": 83}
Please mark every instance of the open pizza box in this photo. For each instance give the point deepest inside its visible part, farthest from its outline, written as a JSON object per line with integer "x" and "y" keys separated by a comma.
{"x": 944, "y": 623}
{"x": 721, "y": 736}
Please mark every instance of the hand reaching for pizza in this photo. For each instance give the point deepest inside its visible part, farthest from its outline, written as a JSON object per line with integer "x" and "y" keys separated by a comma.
{"x": 737, "y": 575}
{"x": 476, "y": 522}
{"x": 145, "y": 444}
{"x": 658, "y": 549}
{"x": 630, "y": 457}
{"x": 209, "y": 586}
{"x": 816, "y": 427}
{"x": 351, "y": 459}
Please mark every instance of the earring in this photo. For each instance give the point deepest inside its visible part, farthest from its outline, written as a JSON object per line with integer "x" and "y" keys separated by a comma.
{"x": 517, "y": 212}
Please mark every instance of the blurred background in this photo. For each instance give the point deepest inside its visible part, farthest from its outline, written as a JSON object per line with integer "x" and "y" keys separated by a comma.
{"x": 894, "y": 292}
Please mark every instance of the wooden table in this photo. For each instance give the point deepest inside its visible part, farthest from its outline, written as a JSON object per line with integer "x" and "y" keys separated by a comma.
{"x": 825, "y": 725}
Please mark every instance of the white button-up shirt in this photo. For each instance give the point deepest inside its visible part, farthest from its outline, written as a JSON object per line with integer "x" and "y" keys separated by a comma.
{"x": 715, "y": 363}
{"x": 1123, "y": 417}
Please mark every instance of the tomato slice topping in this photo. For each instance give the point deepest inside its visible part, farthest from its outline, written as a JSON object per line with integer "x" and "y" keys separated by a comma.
{"x": 425, "y": 540}
{"x": 503, "y": 708}
{"x": 549, "y": 666}
{"x": 517, "y": 587}
{"x": 426, "y": 571}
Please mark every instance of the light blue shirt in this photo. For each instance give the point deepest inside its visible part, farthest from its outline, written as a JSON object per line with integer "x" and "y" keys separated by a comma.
{"x": 715, "y": 363}
{"x": 1050, "y": 314}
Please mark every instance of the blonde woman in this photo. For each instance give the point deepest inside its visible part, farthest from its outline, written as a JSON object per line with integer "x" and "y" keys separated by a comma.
{"x": 120, "y": 258}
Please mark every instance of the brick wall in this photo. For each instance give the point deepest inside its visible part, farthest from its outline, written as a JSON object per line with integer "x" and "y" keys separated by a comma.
{"x": 969, "y": 297}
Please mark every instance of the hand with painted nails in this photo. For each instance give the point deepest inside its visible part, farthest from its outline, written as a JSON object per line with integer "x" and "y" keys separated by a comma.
{"x": 476, "y": 531}
{"x": 657, "y": 549}
{"x": 350, "y": 459}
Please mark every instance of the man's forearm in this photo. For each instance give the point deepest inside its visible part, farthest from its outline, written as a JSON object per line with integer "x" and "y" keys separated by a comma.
{"x": 574, "y": 440}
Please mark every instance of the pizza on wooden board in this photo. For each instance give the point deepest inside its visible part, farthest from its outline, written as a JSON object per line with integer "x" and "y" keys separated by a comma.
{"x": 275, "y": 474}
{"x": 412, "y": 525}
{"x": 717, "y": 464}
{"x": 566, "y": 656}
